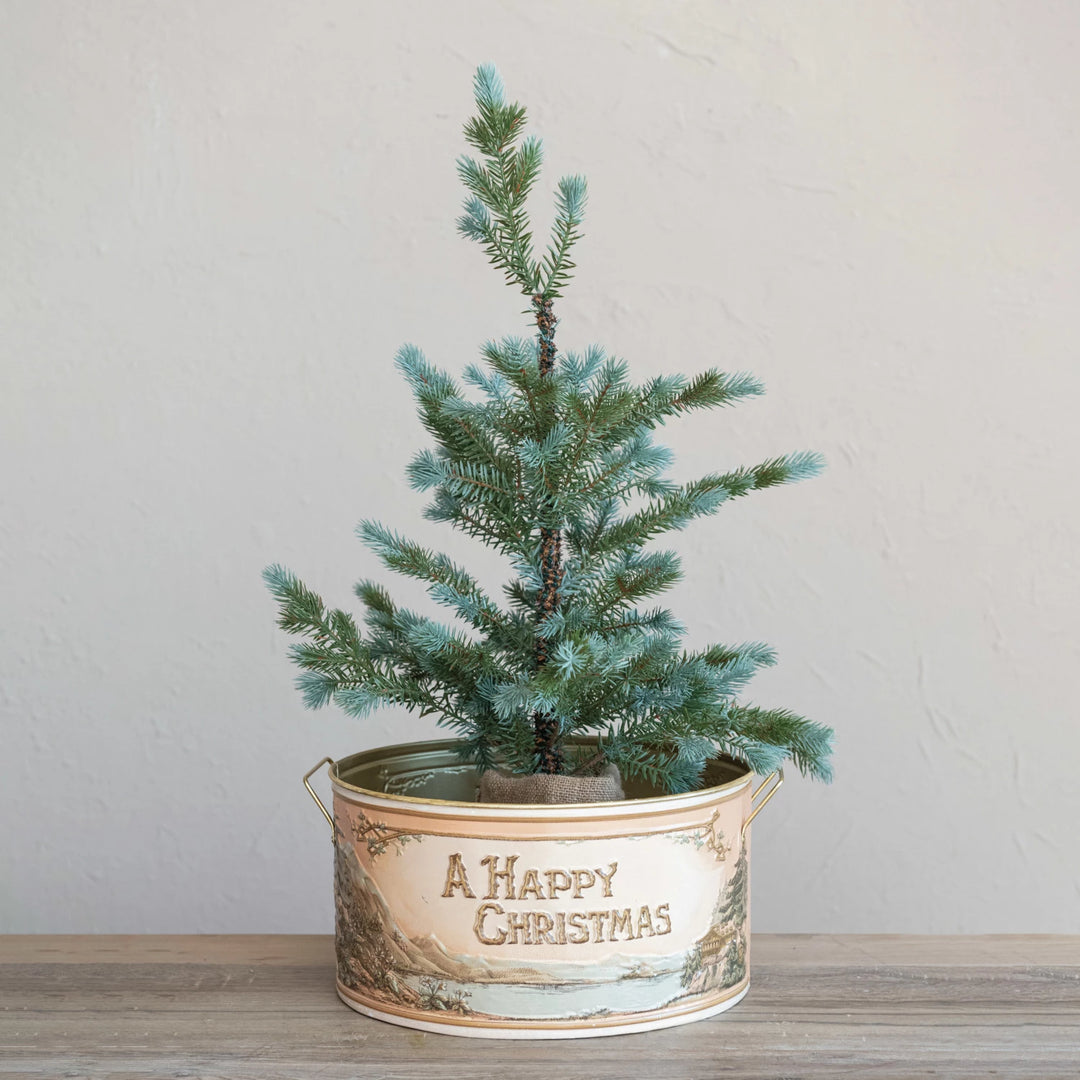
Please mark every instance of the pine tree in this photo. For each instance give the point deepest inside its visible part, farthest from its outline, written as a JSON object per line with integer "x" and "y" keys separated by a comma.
{"x": 734, "y": 902}
{"x": 551, "y": 462}
{"x": 732, "y": 911}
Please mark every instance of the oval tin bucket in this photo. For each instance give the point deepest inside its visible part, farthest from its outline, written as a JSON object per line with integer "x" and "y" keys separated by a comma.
{"x": 542, "y": 921}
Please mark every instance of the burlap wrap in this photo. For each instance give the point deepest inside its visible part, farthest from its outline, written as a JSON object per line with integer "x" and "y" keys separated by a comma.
{"x": 500, "y": 787}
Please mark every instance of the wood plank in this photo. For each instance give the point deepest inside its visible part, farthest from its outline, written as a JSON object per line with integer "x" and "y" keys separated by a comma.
{"x": 264, "y": 1008}
{"x": 793, "y": 949}
{"x": 979, "y": 950}
{"x": 281, "y": 949}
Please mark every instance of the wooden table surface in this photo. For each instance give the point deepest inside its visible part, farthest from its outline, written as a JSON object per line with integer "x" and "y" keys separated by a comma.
{"x": 263, "y": 1007}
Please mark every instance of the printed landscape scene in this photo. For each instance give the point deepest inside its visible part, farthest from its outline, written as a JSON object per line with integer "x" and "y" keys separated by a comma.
{"x": 385, "y": 969}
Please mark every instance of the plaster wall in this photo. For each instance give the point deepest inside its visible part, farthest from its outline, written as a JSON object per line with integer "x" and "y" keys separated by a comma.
{"x": 220, "y": 220}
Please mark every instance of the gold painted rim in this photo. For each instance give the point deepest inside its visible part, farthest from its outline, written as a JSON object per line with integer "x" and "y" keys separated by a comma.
{"x": 619, "y": 1020}
{"x": 724, "y": 791}
{"x": 543, "y": 833}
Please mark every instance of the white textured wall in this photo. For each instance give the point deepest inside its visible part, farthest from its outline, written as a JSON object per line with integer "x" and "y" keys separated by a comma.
{"x": 221, "y": 219}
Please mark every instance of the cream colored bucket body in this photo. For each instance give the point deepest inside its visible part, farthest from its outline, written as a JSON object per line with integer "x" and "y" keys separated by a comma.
{"x": 510, "y": 921}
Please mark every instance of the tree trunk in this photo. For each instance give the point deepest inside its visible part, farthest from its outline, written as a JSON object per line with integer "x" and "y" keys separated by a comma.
{"x": 545, "y": 726}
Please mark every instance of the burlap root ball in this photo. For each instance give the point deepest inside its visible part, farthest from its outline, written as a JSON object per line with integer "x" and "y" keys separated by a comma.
{"x": 500, "y": 787}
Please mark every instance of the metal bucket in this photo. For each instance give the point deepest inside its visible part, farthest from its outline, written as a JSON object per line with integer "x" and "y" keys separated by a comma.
{"x": 536, "y": 922}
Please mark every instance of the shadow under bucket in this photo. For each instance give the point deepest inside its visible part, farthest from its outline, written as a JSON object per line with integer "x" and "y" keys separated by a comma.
{"x": 518, "y": 921}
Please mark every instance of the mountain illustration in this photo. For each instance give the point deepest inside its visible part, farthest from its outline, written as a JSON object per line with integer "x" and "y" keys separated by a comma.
{"x": 373, "y": 952}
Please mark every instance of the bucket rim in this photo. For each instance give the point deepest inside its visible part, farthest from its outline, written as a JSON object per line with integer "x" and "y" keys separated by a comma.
{"x": 685, "y": 799}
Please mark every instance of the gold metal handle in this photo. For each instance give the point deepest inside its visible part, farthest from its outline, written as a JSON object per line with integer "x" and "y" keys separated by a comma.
{"x": 319, "y": 803}
{"x": 779, "y": 774}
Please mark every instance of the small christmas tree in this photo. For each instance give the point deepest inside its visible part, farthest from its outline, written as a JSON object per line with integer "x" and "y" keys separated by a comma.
{"x": 733, "y": 903}
{"x": 732, "y": 911}
{"x": 553, "y": 465}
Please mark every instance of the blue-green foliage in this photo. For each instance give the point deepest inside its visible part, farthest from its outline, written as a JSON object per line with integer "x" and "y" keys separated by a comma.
{"x": 515, "y": 451}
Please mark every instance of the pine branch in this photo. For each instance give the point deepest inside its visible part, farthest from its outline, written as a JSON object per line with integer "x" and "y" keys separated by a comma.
{"x": 495, "y": 213}
{"x": 506, "y": 537}
{"x": 669, "y": 396}
{"x": 463, "y": 428}
{"x": 678, "y": 507}
{"x": 569, "y": 214}
{"x": 806, "y": 743}
{"x": 632, "y": 579}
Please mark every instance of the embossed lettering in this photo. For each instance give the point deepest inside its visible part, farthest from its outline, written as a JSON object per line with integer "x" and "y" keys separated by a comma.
{"x": 544, "y": 924}
{"x": 622, "y": 920}
{"x": 456, "y": 878}
{"x": 606, "y": 878}
{"x": 662, "y": 913}
{"x": 597, "y": 918}
{"x": 530, "y": 886}
{"x": 644, "y": 922}
{"x": 496, "y": 926}
{"x": 579, "y": 877}
{"x": 553, "y": 889}
{"x": 482, "y": 913}
{"x": 579, "y": 931}
{"x": 496, "y": 875}
{"x": 560, "y": 927}
{"x": 518, "y": 928}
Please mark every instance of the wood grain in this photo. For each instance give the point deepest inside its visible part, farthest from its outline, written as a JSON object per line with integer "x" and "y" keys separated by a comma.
{"x": 264, "y": 1007}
